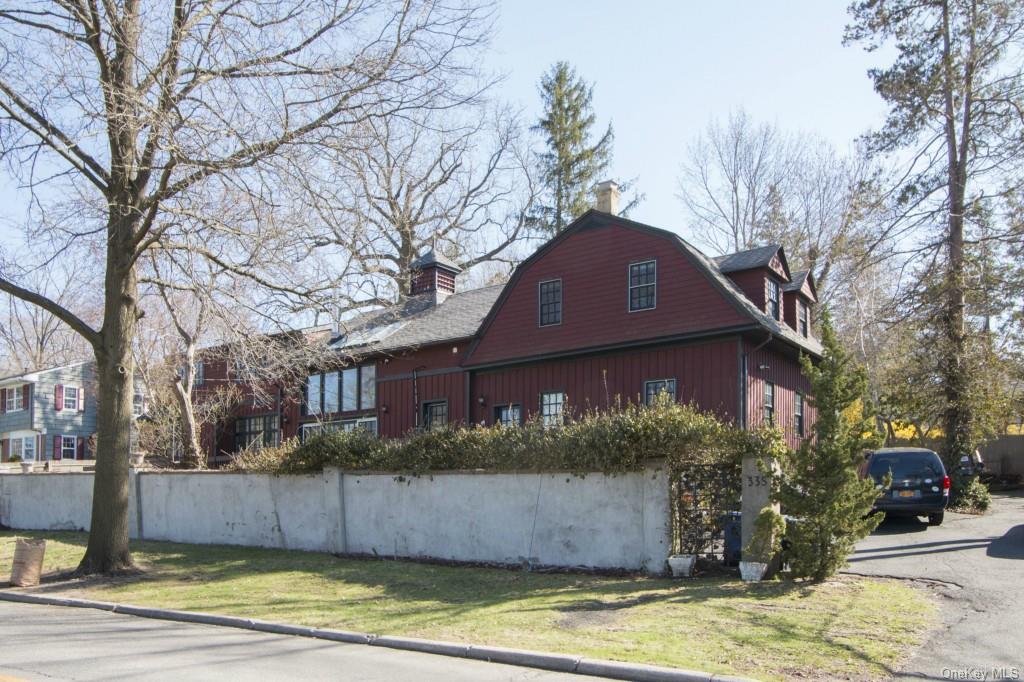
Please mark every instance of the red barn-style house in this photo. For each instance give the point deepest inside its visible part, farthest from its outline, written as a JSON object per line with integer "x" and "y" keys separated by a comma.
{"x": 608, "y": 310}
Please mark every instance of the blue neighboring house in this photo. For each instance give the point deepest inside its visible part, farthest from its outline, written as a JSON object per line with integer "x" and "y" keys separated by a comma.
{"x": 50, "y": 414}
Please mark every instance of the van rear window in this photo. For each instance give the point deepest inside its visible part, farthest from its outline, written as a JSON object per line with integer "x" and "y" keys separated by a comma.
{"x": 906, "y": 465}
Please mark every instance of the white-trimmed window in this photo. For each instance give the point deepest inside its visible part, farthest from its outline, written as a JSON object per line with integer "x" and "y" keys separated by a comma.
{"x": 798, "y": 414}
{"x": 552, "y": 406}
{"x": 773, "y": 298}
{"x": 803, "y": 321}
{"x": 15, "y": 399}
{"x": 138, "y": 405}
{"x": 28, "y": 448}
{"x": 71, "y": 398}
{"x": 769, "y": 403}
{"x": 643, "y": 285}
{"x": 68, "y": 447}
{"x": 655, "y": 387}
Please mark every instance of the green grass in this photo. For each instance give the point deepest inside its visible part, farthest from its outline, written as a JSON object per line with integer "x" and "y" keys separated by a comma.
{"x": 849, "y": 628}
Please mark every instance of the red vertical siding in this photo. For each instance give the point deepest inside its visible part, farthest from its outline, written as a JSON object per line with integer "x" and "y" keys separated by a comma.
{"x": 706, "y": 374}
{"x": 593, "y": 265}
{"x": 767, "y": 364}
{"x": 399, "y": 401}
{"x": 754, "y": 284}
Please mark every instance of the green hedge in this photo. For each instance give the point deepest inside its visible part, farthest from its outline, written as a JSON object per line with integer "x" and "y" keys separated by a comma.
{"x": 612, "y": 441}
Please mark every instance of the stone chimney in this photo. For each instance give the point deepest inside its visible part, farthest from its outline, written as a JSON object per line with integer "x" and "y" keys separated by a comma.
{"x": 432, "y": 273}
{"x": 608, "y": 197}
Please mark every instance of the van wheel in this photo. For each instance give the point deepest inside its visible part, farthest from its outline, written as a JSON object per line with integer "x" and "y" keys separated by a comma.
{"x": 936, "y": 519}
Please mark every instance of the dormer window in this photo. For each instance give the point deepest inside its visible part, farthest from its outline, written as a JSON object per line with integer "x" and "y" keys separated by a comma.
{"x": 774, "y": 295}
{"x": 802, "y": 318}
{"x": 549, "y": 296}
{"x": 642, "y": 285}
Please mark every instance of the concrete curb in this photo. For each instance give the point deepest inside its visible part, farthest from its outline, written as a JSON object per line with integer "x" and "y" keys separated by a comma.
{"x": 519, "y": 657}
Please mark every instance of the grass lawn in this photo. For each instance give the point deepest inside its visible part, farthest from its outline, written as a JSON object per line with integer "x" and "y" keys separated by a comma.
{"x": 846, "y": 628}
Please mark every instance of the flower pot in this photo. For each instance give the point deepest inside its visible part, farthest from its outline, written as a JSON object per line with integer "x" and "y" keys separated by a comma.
{"x": 752, "y": 571}
{"x": 138, "y": 460}
{"x": 682, "y": 565}
{"x": 27, "y": 467}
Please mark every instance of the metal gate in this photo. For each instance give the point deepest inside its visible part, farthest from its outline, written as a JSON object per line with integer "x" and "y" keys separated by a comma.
{"x": 703, "y": 497}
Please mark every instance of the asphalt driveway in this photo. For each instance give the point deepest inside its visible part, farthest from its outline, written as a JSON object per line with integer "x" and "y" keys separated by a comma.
{"x": 977, "y": 564}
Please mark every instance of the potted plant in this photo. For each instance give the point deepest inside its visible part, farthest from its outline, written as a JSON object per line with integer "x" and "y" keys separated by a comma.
{"x": 764, "y": 545}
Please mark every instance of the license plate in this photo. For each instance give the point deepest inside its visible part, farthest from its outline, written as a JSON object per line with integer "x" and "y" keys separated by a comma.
{"x": 904, "y": 493}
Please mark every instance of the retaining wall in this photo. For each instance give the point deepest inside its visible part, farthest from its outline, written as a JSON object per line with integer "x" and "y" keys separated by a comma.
{"x": 554, "y": 519}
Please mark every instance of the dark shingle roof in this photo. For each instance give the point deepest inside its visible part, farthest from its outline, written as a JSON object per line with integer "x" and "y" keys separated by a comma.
{"x": 418, "y": 322}
{"x": 713, "y": 270}
{"x": 760, "y": 257}
{"x": 796, "y": 280}
{"x": 433, "y": 258}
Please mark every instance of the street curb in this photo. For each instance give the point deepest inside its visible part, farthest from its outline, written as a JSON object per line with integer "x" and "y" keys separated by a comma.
{"x": 519, "y": 657}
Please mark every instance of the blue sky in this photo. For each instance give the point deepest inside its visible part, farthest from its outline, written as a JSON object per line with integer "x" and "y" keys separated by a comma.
{"x": 661, "y": 70}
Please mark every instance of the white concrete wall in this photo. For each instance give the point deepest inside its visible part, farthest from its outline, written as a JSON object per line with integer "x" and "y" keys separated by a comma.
{"x": 556, "y": 519}
{"x": 46, "y": 501}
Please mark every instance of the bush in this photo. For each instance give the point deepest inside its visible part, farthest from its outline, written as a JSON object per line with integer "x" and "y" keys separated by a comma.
{"x": 970, "y": 495}
{"x": 766, "y": 540}
{"x": 263, "y": 459}
{"x": 15, "y": 459}
{"x": 618, "y": 440}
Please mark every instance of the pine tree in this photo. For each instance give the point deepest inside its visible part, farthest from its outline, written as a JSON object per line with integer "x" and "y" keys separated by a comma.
{"x": 571, "y": 165}
{"x": 819, "y": 484}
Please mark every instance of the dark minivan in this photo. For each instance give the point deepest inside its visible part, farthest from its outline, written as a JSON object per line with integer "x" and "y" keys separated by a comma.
{"x": 920, "y": 486}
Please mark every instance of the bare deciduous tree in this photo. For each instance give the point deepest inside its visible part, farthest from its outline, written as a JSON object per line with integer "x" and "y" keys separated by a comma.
{"x": 112, "y": 112}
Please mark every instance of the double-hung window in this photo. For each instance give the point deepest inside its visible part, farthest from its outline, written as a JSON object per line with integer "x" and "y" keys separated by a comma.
{"x": 654, "y": 388}
{"x": 68, "y": 447}
{"x": 804, "y": 326}
{"x": 17, "y": 448}
{"x": 549, "y": 296}
{"x": 15, "y": 399}
{"x": 769, "y": 403}
{"x": 552, "y": 405}
{"x": 642, "y": 285}
{"x": 435, "y": 414}
{"x": 508, "y": 415}
{"x": 773, "y": 298}
{"x": 798, "y": 415}
{"x": 28, "y": 448}
{"x": 71, "y": 398}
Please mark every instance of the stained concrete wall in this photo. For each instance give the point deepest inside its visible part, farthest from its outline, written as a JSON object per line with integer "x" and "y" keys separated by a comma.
{"x": 555, "y": 518}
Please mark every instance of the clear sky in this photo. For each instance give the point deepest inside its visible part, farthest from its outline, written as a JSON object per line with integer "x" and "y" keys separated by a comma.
{"x": 661, "y": 70}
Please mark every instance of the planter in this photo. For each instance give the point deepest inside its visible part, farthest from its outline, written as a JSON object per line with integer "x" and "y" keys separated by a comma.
{"x": 752, "y": 571}
{"x": 138, "y": 460}
{"x": 682, "y": 565}
{"x": 27, "y": 467}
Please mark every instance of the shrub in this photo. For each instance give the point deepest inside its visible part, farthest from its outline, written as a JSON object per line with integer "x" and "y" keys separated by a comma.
{"x": 263, "y": 459}
{"x": 15, "y": 459}
{"x": 970, "y": 495}
{"x": 621, "y": 439}
{"x": 766, "y": 540}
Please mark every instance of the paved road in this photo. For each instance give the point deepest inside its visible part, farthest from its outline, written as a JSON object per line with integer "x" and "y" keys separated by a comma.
{"x": 60, "y": 643}
{"x": 979, "y": 561}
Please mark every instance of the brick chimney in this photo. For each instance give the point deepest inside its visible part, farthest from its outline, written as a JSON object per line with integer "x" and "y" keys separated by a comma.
{"x": 432, "y": 273}
{"x": 608, "y": 197}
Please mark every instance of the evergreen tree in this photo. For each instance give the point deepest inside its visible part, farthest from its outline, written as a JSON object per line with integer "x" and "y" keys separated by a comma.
{"x": 819, "y": 484}
{"x": 571, "y": 165}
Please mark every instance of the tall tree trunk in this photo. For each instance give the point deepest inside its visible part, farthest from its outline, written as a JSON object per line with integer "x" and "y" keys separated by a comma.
{"x": 107, "y": 550}
{"x": 192, "y": 452}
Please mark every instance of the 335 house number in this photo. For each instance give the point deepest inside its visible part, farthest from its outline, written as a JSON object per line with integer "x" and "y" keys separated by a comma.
{"x": 757, "y": 481}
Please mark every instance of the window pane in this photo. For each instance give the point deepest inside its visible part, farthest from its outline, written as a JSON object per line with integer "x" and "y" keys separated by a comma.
{"x": 29, "y": 448}
{"x": 652, "y": 389}
{"x": 313, "y": 404}
{"x": 507, "y": 415}
{"x": 551, "y": 408}
{"x": 331, "y": 392}
{"x": 551, "y": 302}
{"x": 435, "y": 415}
{"x": 642, "y": 279}
{"x": 368, "y": 387}
{"x": 350, "y": 389}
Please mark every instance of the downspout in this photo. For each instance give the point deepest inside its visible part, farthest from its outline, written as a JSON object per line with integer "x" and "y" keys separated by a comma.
{"x": 744, "y": 374}
{"x": 416, "y": 396}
